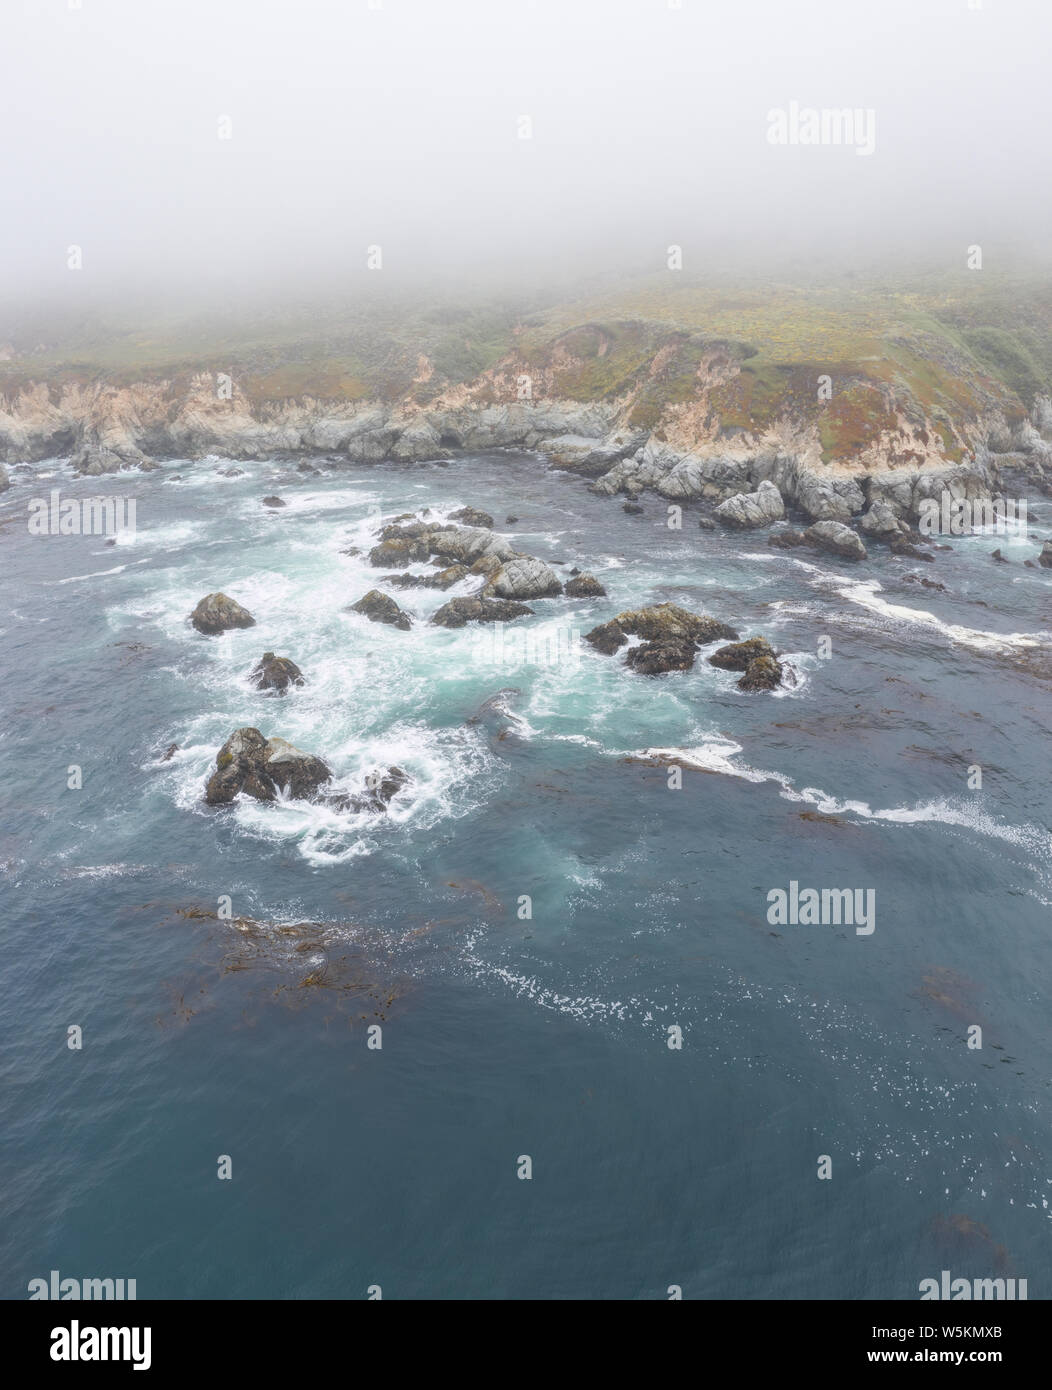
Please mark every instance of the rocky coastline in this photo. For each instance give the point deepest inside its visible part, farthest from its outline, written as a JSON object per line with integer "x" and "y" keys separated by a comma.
{"x": 740, "y": 478}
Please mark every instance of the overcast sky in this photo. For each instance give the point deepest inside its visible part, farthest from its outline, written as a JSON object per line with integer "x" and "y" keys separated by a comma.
{"x": 400, "y": 126}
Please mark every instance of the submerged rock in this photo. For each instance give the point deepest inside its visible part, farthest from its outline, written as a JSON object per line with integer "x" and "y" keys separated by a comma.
{"x": 927, "y": 583}
{"x": 460, "y": 611}
{"x": 261, "y": 767}
{"x": 217, "y": 613}
{"x": 1045, "y": 558}
{"x": 381, "y": 787}
{"x": 584, "y": 586}
{"x": 787, "y": 540}
{"x": 381, "y": 608}
{"x": 903, "y": 546}
{"x": 276, "y": 673}
{"x": 633, "y": 509}
{"x": 274, "y": 502}
{"x": 757, "y": 508}
{"x": 837, "y": 539}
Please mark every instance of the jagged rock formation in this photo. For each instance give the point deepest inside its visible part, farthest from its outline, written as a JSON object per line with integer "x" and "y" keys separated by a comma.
{"x": 757, "y": 508}
{"x": 276, "y": 673}
{"x": 754, "y": 657}
{"x": 837, "y": 539}
{"x": 671, "y": 634}
{"x": 381, "y": 608}
{"x": 217, "y": 613}
{"x": 584, "y": 586}
{"x": 636, "y": 403}
{"x": 260, "y": 767}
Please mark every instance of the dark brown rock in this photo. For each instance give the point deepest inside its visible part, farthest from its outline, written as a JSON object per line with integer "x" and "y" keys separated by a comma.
{"x": 669, "y": 654}
{"x": 607, "y": 637}
{"x": 276, "y": 673}
{"x": 584, "y": 586}
{"x": 379, "y": 607}
{"x": 471, "y": 516}
{"x": 251, "y": 764}
{"x": 762, "y": 673}
{"x": 460, "y": 611}
{"x": 739, "y": 655}
{"x": 217, "y": 613}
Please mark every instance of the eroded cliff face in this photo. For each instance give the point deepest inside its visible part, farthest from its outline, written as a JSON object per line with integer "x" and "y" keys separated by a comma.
{"x": 681, "y": 449}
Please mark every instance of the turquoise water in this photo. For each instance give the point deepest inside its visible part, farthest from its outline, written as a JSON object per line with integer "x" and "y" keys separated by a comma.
{"x": 505, "y": 1035}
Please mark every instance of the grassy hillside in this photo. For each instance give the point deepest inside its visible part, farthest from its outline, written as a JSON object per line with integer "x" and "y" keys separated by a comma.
{"x": 939, "y": 350}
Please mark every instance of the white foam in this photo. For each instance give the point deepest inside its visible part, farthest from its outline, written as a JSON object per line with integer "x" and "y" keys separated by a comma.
{"x": 966, "y": 813}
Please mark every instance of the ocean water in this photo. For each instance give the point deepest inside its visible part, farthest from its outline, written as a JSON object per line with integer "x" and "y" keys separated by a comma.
{"x": 507, "y": 1035}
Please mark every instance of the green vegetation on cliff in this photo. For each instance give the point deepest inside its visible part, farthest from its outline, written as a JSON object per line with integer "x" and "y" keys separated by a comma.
{"x": 936, "y": 352}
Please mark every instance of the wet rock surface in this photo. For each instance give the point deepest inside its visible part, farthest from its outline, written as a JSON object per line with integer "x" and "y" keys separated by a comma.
{"x": 218, "y": 613}
{"x": 379, "y": 607}
{"x": 255, "y": 766}
{"x": 276, "y": 673}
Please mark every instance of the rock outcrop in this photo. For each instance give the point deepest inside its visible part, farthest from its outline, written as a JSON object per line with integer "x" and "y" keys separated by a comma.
{"x": 584, "y": 586}
{"x": 659, "y": 623}
{"x": 217, "y": 613}
{"x": 671, "y": 637}
{"x": 762, "y": 673}
{"x": 381, "y": 787}
{"x": 276, "y": 673}
{"x": 523, "y": 577}
{"x": 471, "y": 516}
{"x": 754, "y": 657}
{"x": 262, "y": 768}
{"x": 837, "y": 539}
{"x": 381, "y": 608}
{"x": 444, "y": 579}
{"x": 655, "y": 658}
{"x": 460, "y": 611}
{"x": 749, "y": 509}
{"x": 738, "y": 655}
